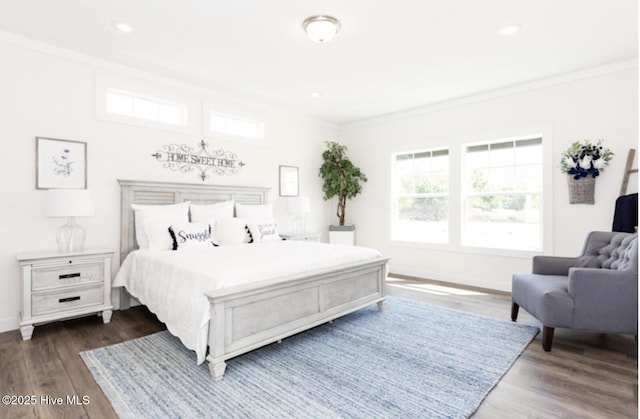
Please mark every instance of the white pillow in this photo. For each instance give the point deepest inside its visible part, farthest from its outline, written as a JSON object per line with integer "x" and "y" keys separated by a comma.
{"x": 263, "y": 231}
{"x": 152, "y": 224}
{"x": 211, "y": 212}
{"x": 191, "y": 236}
{"x": 231, "y": 231}
{"x": 254, "y": 212}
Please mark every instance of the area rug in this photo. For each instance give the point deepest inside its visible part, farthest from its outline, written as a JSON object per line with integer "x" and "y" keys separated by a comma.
{"x": 412, "y": 360}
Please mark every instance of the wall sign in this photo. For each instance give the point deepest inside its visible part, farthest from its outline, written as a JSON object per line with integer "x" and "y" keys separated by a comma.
{"x": 184, "y": 159}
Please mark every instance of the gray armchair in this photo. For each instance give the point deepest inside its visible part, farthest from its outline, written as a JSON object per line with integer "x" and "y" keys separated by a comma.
{"x": 596, "y": 291}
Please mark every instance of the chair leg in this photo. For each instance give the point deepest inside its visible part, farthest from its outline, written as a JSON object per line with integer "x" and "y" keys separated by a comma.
{"x": 547, "y": 338}
{"x": 514, "y": 311}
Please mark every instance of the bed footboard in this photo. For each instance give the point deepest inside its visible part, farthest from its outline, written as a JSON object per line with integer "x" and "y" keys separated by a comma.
{"x": 243, "y": 319}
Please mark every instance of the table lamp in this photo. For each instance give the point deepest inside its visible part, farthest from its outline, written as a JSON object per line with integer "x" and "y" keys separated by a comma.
{"x": 299, "y": 205}
{"x": 70, "y": 203}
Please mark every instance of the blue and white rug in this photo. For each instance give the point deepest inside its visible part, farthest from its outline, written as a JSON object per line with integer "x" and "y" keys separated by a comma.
{"x": 412, "y": 360}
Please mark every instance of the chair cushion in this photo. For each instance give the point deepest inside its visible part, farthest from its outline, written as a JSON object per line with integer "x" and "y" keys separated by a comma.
{"x": 545, "y": 297}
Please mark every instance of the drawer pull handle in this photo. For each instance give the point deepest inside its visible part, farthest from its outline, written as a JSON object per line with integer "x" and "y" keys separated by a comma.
{"x": 68, "y": 299}
{"x": 67, "y": 276}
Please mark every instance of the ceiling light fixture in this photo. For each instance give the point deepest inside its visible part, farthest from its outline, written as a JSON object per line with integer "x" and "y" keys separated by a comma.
{"x": 123, "y": 27}
{"x": 509, "y": 30}
{"x": 321, "y": 28}
{"x": 316, "y": 95}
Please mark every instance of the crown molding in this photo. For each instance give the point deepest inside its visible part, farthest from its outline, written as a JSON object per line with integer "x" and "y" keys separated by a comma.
{"x": 102, "y": 64}
{"x": 500, "y": 92}
{"x": 106, "y": 65}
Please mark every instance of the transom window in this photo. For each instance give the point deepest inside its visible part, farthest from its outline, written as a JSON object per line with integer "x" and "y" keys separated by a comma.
{"x": 136, "y": 105}
{"x": 420, "y": 196}
{"x": 236, "y": 126}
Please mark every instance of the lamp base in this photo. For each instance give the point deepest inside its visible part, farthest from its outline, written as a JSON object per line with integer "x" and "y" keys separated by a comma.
{"x": 299, "y": 225}
{"x": 70, "y": 237}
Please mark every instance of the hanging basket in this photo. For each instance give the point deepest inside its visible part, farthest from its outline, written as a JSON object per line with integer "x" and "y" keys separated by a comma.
{"x": 581, "y": 190}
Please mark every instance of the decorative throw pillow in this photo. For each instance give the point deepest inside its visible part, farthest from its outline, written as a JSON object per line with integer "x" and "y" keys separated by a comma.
{"x": 231, "y": 231}
{"x": 263, "y": 231}
{"x": 191, "y": 236}
{"x": 254, "y": 212}
{"x": 211, "y": 212}
{"x": 152, "y": 222}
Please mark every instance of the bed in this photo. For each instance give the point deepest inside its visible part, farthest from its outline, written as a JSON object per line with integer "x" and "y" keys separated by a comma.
{"x": 241, "y": 313}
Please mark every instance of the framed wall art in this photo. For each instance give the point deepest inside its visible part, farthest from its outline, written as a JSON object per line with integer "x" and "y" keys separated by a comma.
{"x": 288, "y": 181}
{"x": 60, "y": 164}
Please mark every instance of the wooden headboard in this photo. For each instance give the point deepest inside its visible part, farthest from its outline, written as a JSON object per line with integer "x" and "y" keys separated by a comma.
{"x": 163, "y": 193}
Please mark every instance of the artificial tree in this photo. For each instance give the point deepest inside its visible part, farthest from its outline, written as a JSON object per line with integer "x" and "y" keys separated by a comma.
{"x": 341, "y": 177}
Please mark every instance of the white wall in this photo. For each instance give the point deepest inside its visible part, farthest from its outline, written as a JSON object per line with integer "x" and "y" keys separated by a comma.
{"x": 598, "y": 107}
{"x": 50, "y": 96}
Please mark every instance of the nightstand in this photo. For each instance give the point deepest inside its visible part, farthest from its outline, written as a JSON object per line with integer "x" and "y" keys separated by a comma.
{"x": 58, "y": 286}
{"x": 304, "y": 237}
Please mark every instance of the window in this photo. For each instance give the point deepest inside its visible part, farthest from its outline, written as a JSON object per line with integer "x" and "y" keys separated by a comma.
{"x": 135, "y": 105}
{"x": 502, "y": 194}
{"x": 420, "y": 196}
{"x": 143, "y": 104}
{"x": 237, "y": 127}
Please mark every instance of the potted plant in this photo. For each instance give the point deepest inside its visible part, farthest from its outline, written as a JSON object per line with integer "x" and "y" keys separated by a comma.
{"x": 344, "y": 180}
{"x": 583, "y": 162}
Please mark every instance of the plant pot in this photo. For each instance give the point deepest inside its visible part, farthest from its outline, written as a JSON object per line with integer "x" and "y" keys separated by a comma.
{"x": 342, "y": 235}
{"x": 582, "y": 190}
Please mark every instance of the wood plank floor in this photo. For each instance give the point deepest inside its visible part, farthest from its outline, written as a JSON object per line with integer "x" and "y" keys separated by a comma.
{"x": 584, "y": 376}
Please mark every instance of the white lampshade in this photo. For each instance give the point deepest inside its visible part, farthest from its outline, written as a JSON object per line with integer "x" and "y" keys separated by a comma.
{"x": 299, "y": 205}
{"x": 321, "y": 28}
{"x": 70, "y": 203}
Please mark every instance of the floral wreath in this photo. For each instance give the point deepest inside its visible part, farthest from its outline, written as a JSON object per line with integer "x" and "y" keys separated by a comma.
{"x": 586, "y": 159}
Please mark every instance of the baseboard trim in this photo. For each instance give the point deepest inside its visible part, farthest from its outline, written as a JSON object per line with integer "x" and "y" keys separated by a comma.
{"x": 9, "y": 324}
{"x": 447, "y": 278}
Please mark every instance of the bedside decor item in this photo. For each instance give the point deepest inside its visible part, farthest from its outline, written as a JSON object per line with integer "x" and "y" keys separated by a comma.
{"x": 288, "y": 181}
{"x": 298, "y": 206}
{"x": 583, "y": 162}
{"x": 60, "y": 164}
{"x": 342, "y": 179}
{"x": 70, "y": 203}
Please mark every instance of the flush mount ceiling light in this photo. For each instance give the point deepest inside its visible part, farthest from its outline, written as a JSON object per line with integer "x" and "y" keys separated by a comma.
{"x": 321, "y": 28}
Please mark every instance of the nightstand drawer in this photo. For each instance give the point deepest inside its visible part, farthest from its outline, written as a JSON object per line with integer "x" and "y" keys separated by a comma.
{"x": 58, "y": 301}
{"x": 78, "y": 274}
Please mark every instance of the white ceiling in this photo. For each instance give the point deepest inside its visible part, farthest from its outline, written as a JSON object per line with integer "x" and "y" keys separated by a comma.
{"x": 390, "y": 56}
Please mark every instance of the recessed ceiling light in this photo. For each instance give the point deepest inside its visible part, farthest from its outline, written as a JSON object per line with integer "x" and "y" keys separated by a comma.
{"x": 316, "y": 95}
{"x": 509, "y": 30}
{"x": 122, "y": 27}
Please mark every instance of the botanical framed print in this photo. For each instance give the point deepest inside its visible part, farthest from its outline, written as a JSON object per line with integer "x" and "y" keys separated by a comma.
{"x": 60, "y": 164}
{"x": 288, "y": 181}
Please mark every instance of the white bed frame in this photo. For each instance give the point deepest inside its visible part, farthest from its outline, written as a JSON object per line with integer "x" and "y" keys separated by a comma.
{"x": 248, "y": 317}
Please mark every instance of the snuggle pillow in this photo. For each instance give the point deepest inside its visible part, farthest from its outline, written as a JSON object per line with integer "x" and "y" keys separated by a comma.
{"x": 191, "y": 236}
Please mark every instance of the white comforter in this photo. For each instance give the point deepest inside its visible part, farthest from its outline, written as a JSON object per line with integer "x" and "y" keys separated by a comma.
{"x": 172, "y": 284}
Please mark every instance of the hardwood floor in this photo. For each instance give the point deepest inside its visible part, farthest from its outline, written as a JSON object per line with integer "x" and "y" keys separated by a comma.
{"x": 585, "y": 375}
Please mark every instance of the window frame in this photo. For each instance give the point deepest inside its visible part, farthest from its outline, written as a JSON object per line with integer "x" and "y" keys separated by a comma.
{"x": 455, "y": 145}
{"x": 209, "y": 110}
{"x": 465, "y": 193}
{"x": 396, "y": 195}
{"x": 145, "y": 90}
